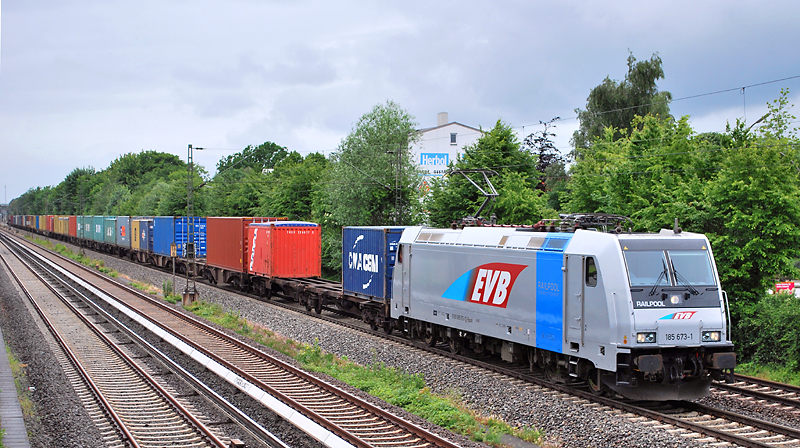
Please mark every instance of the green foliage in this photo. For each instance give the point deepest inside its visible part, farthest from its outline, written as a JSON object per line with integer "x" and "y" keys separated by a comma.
{"x": 295, "y": 184}
{"x": 777, "y": 126}
{"x": 361, "y": 187}
{"x": 257, "y": 158}
{"x": 519, "y": 201}
{"x": 133, "y": 184}
{"x": 614, "y": 104}
{"x": 738, "y": 189}
{"x": 768, "y": 332}
{"x": 772, "y": 372}
{"x": 132, "y": 170}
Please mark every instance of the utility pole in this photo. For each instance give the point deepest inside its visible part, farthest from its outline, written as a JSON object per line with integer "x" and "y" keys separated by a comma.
{"x": 190, "y": 293}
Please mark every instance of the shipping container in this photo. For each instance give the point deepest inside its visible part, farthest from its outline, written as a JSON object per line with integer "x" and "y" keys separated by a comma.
{"x": 61, "y": 226}
{"x": 227, "y": 245}
{"x": 169, "y": 229}
{"x": 98, "y": 224}
{"x": 123, "y": 232}
{"x": 182, "y": 235}
{"x": 73, "y": 226}
{"x": 50, "y": 223}
{"x": 84, "y": 229}
{"x": 146, "y": 235}
{"x": 109, "y": 229}
{"x": 288, "y": 249}
{"x": 368, "y": 257}
{"x": 163, "y": 234}
{"x": 135, "y": 234}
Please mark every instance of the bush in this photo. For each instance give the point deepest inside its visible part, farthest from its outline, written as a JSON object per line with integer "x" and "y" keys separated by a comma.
{"x": 768, "y": 332}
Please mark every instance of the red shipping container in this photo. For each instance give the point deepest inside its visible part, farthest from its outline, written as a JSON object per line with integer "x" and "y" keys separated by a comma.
{"x": 289, "y": 249}
{"x": 51, "y": 223}
{"x": 227, "y": 244}
{"x": 73, "y": 225}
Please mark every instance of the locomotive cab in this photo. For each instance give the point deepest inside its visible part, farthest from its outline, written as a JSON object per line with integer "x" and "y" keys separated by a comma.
{"x": 677, "y": 339}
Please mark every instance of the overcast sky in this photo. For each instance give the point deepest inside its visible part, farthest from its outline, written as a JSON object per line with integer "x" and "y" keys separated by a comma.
{"x": 82, "y": 82}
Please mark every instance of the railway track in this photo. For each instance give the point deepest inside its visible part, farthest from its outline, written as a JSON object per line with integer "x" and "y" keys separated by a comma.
{"x": 764, "y": 390}
{"x": 298, "y": 396}
{"x": 144, "y": 414}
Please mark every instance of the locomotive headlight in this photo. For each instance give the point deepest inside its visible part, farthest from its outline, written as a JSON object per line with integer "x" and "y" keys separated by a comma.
{"x": 645, "y": 338}
{"x": 675, "y": 299}
{"x": 711, "y": 336}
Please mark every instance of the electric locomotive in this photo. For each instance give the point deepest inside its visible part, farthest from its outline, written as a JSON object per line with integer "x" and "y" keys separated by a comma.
{"x": 642, "y": 315}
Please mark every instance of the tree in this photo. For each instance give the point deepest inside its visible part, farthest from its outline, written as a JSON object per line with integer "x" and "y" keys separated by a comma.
{"x": 613, "y": 104}
{"x": 364, "y": 171}
{"x": 740, "y": 188}
{"x": 549, "y": 163}
{"x": 294, "y": 186}
{"x": 134, "y": 169}
{"x": 259, "y": 158}
{"x": 454, "y": 197}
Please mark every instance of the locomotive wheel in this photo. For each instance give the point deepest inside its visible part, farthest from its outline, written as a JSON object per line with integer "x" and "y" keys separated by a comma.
{"x": 430, "y": 339}
{"x": 596, "y": 386}
{"x": 318, "y": 306}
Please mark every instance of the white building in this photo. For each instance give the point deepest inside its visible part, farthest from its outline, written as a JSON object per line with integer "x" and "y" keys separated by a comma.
{"x": 438, "y": 146}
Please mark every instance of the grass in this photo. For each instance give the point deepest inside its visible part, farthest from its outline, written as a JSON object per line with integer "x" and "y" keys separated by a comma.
{"x": 82, "y": 259}
{"x": 389, "y": 384}
{"x": 776, "y": 373}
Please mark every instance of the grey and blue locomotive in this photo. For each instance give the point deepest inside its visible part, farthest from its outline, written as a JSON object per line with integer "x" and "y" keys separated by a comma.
{"x": 640, "y": 314}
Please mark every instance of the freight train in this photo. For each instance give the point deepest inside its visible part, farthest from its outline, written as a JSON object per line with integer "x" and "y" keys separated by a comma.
{"x": 642, "y": 315}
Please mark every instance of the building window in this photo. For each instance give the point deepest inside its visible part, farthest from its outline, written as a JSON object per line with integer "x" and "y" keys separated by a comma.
{"x": 452, "y": 138}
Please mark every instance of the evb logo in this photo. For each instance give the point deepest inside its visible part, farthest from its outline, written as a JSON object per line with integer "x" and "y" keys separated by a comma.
{"x": 488, "y": 284}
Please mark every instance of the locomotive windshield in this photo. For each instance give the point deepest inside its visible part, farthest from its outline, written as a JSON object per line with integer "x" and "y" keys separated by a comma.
{"x": 669, "y": 268}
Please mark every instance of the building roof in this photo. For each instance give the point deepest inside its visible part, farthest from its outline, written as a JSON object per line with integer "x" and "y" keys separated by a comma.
{"x": 448, "y": 124}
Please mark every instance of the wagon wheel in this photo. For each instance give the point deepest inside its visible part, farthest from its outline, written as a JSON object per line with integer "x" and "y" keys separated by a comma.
{"x": 387, "y": 326}
{"x": 373, "y": 325}
{"x": 318, "y": 306}
{"x": 308, "y": 305}
{"x": 531, "y": 359}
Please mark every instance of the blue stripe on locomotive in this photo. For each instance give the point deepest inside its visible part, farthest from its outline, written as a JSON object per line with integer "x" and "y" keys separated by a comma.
{"x": 549, "y": 292}
{"x": 549, "y": 301}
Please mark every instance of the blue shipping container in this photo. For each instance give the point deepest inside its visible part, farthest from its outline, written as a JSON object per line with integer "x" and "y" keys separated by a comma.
{"x": 170, "y": 229}
{"x": 182, "y": 235}
{"x": 368, "y": 257}
{"x": 163, "y": 234}
{"x": 146, "y": 235}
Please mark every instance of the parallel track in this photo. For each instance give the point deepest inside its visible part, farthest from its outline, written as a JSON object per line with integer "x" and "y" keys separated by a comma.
{"x": 145, "y": 414}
